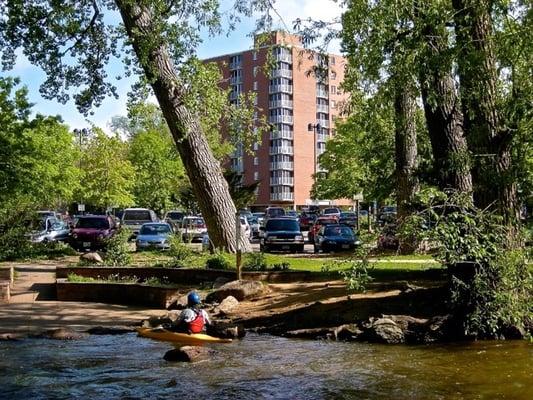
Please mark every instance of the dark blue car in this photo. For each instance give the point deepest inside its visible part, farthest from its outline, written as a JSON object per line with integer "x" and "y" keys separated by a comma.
{"x": 335, "y": 237}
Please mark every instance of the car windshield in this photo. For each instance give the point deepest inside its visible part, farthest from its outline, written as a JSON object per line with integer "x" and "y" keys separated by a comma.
{"x": 282, "y": 225}
{"x": 347, "y": 215}
{"x": 337, "y": 231}
{"x": 275, "y": 212}
{"x": 136, "y": 215}
{"x": 193, "y": 221}
{"x": 331, "y": 211}
{"x": 95, "y": 223}
{"x": 155, "y": 229}
{"x": 175, "y": 215}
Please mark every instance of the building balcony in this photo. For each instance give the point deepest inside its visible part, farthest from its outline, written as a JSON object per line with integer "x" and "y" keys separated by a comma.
{"x": 283, "y": 57}
{"x": 281, "y": 73}
{"x": 288, "y": 150}
{"x": 283, "y": 180}
{"x": 280, "y": 104}
{"x": 324, "y": 123}
{"x": 235, "y": 65}
{"x": 235, "y": 80}
{"x": 280, "y": 119}
{"x": 323, "y": 108}
{"x": 322, "y": 93}
{"x": 281, "y": 135}
{"x": 322, "y": 137}
{"x": 280, "y": 89}
{"x": 234, "y": 95}
{"x": 282, "y": 165}
{"x": 282, "y": 196}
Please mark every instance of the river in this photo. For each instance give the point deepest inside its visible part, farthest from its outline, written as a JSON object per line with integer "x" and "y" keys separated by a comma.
{"x": 264, "y": 367}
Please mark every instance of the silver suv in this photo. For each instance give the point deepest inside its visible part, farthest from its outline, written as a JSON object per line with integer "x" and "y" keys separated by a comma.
{"x": 133, "y": 218}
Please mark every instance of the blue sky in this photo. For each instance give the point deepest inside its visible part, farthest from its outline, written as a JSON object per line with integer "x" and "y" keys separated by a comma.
{"x": 238, "y": 40}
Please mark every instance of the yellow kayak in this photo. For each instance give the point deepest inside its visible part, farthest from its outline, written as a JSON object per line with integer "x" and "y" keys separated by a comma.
{"x": 182, "y": 338}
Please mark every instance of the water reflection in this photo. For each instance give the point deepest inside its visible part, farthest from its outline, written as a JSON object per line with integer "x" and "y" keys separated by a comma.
{"x": 264, "y": 367}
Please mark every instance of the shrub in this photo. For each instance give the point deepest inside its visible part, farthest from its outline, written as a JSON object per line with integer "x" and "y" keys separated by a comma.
{"x": 181, "y": 254}
{"x": 284, "y": 266}
{"x": 255, "y": 262}
{"x": 117, "y": 252}
{"x": 218, "y": 260}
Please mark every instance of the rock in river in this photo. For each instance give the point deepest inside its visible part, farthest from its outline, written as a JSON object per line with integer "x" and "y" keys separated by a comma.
{"x": 241, "y": 290}
{"x": 60, "y": 334}
{"x": 189, "y": 354}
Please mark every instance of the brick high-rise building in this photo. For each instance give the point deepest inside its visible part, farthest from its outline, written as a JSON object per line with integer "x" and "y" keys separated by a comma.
{"x": 301, "y": 107}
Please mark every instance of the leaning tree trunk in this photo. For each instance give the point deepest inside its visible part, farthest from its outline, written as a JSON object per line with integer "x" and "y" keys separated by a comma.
{"x": 488, "y": 137}
{"x": 443, "y": 114}
{"x": 204, "y": 171}
{"x": 406, "y": 155}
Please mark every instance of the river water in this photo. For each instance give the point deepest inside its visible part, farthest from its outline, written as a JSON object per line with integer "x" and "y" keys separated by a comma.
{"x": 264, "y": 367}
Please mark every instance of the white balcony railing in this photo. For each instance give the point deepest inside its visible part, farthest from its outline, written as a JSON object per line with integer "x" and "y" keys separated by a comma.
{"x": 235, "y": 65}
{"x": 321, "y": 137}
{"x": 234, "y": 95}
{"x": 235, "y": 80}
{"x": 282, "y": 165}
{"x": 284, "y": 180}
{"x": 323, "y": 108}
{"x": 280, "y": 104}
{"x": 282, "y": 196}
{"x": 324, "y": 123}
{"x": 281, "y": 73}
{"x": 281, "y": 135}
{"x": 322, "y": 93}
{"x": 289, "y": 150}
{"x": 280, "y": 88}
{"x": 280, "y": 119}
{"x": 285, "y": 57}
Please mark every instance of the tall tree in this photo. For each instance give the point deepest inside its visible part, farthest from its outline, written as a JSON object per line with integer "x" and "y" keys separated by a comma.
{"x": 489, "y": 136}
{"x": 72, "y": 42}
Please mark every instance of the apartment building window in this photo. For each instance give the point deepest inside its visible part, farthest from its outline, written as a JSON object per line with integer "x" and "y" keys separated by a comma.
{"x": 333, "y": 75}
{"x": 256, "y": 160}
{"x": 254, "y": 55}
{"x": 332, "y": 60}
{"x": 333, "y": 89}
{"x": 256, "y": 69}
{"x": 255, "y": 114}
{"x": 256, "y": 176}
{"x": 255, "y": 100}
{"x": 256, "y": 145}
{"x": 333, "y": 104}
{"x": 255, "y": 85}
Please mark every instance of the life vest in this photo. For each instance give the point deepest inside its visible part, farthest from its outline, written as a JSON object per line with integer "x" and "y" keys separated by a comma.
{"x": 197, "y": 324}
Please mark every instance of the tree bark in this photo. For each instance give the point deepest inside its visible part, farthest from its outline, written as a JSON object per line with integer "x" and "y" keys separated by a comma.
{"x": 204, "y": 171}
{"x": 443, "y": 114}
{"x": 488, "y": 138}
{"x": 406, "y": 155}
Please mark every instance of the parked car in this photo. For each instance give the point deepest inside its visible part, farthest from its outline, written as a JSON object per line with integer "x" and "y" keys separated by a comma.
{"x": 332, "y": 211}
{"x": 174, "y": 218}
{"x": 274, "y": 212}
{"x": 319, "y": 223}
{"x": 334, "y": 238}
{"x": 260, "y": 217}
{"x": 246, "y": 229}
{"x": 51, "y": 230}
{"x": 153, "y": 235}
{"x": 192, "y": 228}
{"x": 388, "y": 240}
{"x": 134, "y": 218}
{"x": 255, "y": 227}
{"x": 307, "y": 219}
{"x": 291, "y": 213}
{"x": 282, "y": 234}
{"x": 348, "y": 218}
{"x": 43, "y": 214}
{"x": 91, "y": 231}
{"x": 387, "y": 218}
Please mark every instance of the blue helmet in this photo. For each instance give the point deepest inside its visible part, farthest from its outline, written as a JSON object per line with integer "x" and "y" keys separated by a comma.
{"x": 193, "y": 298}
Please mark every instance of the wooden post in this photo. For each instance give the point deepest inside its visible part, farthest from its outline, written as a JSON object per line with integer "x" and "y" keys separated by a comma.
{"x": 238, "y": 255}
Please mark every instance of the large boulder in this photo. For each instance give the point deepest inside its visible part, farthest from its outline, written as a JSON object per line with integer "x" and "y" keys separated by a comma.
{"x": 384, "y": 330}
{"x": 92, "y": 258}
{"x": 241, "y": 290}
{"x": 228, "y": 304}
{"x": 226, "y": 330}
{"x": 154, "y": 322}
{"x": 189, "y": 354}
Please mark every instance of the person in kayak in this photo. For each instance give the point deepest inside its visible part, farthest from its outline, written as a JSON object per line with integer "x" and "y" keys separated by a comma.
{"x": 193, "y": 319}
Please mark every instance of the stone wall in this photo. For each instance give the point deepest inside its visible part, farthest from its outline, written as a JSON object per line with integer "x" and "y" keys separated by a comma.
{"x": 183, "y": 276}
{"x": 116, "y": 293}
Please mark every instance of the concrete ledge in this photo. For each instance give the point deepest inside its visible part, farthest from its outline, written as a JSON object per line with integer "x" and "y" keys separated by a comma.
{"x": 184, "y": 276}
{"x": 116, "y": 293}
{"x": 7, "y": 274}
{"x": 5, "y": 291}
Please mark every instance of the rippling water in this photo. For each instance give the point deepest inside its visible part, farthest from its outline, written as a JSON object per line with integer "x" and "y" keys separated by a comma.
{"x": 264, "y": 367}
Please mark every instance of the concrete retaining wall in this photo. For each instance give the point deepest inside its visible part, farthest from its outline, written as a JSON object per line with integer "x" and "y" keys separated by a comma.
{"x": 183, "y": 276}
{"x": 116, "y": 293}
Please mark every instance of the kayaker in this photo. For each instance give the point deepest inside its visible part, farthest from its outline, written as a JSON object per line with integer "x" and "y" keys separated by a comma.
{"x": 193, "y": 319}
